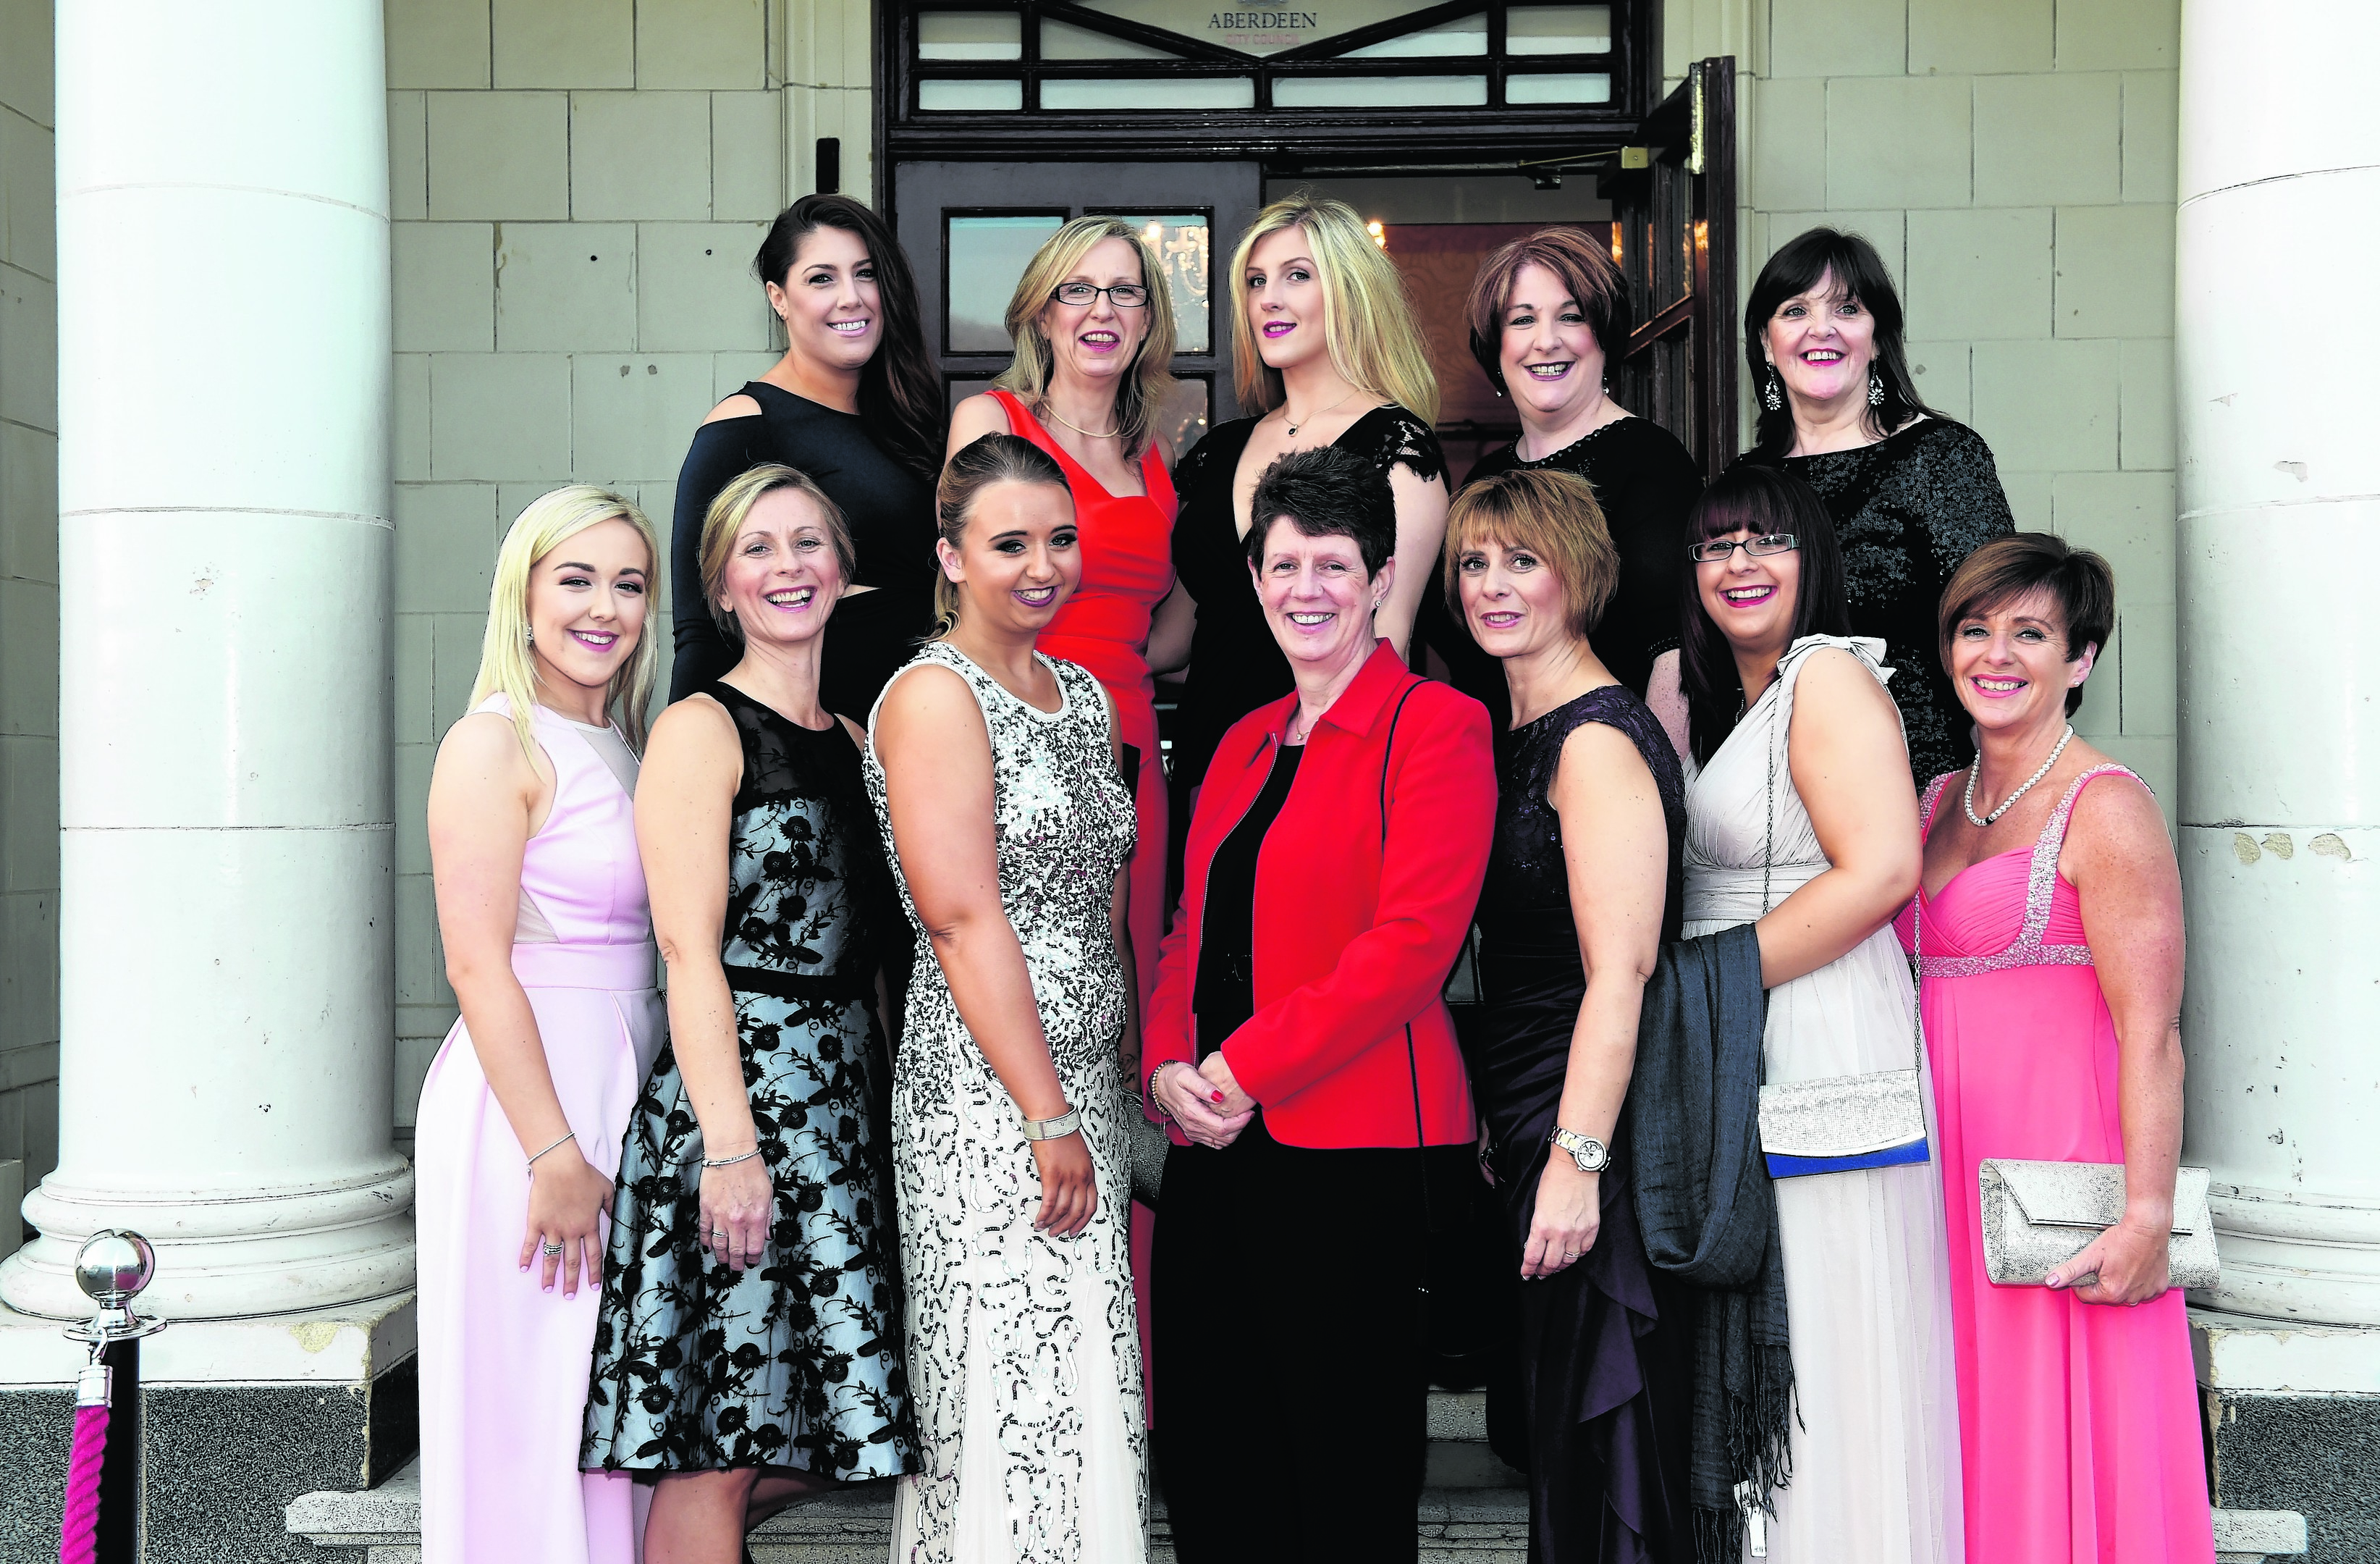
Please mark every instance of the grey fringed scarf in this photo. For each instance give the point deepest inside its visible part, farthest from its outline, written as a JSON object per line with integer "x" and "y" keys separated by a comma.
{"x": 1710, "y": 1214}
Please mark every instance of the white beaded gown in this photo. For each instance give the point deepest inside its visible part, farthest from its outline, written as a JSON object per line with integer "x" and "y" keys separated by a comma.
{"x": 1867, "y": 1284}
{"x": 1023, "y": 1352}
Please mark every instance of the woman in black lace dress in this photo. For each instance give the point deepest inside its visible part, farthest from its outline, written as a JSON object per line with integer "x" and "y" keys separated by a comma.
{"x": 1305, "y": 273}
{"x": 748, "y": 1347}
{"x": 1548, "y": 311}
{"x": 1582, "y": 886}
{"x": 1912, "y": 493}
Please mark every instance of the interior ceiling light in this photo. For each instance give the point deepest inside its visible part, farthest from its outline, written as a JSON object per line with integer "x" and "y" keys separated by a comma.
{"x": 1378, "y": 232}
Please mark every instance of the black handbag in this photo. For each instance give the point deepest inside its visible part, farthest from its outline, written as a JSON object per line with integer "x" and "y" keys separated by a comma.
{"x": 1460, "y": 1241}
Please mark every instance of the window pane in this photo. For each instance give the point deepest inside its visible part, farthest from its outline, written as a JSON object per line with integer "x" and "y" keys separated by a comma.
{"x": 1064, "y": 41}
{"x": 1183, "y": 248}
{"x": 968, "y": 35}
{"x": 1465, "y": 35}
{"x": 1593, "y": 87}
{"x": 1153, "y": 93}
{"x": 1380, "y": 91}
{"x": 976, "y": 96}
{"x": 1184, "y": 417}
{"x": 1557, "y": 30}
{"x": 982, "y": 260}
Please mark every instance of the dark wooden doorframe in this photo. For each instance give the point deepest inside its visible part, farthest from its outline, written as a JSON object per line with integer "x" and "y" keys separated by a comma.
{"x": 1672, "y": 195}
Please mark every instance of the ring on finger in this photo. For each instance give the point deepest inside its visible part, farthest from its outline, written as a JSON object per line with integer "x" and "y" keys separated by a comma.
{"x": 549, "y": 1249}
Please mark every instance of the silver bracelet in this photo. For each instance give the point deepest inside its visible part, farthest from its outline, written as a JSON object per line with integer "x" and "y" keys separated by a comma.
{"x": 556, "y": 1146}
{"x": 731, "y": 1161}
{"x": 1055, "y": 1129}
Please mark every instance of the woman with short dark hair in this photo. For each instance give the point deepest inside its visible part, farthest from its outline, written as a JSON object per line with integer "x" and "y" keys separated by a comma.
{"x": 1912, "y": 493}
{"x": 1299, "y": 1046}
{"x": 1548, "y": 317}
{"x": 2049, "y": 932}
{"x": 1801, "y": 821}
{"x": 1582, "y": 891}
{"x": 855, "y": 404}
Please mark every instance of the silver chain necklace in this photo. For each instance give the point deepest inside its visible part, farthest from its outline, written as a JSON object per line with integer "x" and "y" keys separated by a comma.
{"x": 1980, "y": 821}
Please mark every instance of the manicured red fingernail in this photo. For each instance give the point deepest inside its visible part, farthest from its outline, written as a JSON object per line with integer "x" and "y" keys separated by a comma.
{"x": 1217, "y": 1095}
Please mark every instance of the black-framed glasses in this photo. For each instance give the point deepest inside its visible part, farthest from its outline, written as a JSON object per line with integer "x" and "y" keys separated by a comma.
{"x": 1761, "y": 547}
{"x": 1123, "y": 296}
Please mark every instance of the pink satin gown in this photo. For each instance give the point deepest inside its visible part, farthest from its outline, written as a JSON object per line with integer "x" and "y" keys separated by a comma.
{"x": 504, "y": 1364}
{"x": 2078, "y": 1422}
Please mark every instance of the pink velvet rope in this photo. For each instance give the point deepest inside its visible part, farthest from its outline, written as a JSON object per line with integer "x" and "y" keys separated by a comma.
{"x": 79, "y": 1527}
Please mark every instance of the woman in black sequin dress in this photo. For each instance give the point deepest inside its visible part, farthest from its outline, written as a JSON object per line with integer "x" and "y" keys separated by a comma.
{"x": 1912, "y": 493}
{"x": 1303, "y": 271}
{"x": 1582, "y": 886}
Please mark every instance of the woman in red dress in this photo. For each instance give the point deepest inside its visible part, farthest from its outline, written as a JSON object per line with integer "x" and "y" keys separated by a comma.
{"x": 1094, "y": 329}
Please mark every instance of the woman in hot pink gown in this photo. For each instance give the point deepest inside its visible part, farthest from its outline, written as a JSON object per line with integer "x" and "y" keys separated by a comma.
{"x": 550, "y": 948}
{"x": 2078, "y": 1405}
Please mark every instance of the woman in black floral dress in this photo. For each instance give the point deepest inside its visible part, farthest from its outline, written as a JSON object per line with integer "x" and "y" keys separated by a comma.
{"x": 749, "y": 1342}
{"x": 1912, "y": 493}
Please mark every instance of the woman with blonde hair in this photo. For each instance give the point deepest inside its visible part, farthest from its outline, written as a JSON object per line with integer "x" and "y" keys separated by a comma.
{"x": 1329, "y": 353}
{"x": 549, "y": 950}
{"x": 750, "y": 1346}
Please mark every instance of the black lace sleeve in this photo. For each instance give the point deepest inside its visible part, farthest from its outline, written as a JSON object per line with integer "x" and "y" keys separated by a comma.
{"x": 1390, "y": 436}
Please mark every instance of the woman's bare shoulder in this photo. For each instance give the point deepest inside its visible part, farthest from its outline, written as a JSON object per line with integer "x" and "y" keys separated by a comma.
{"x": 740, "y": 405}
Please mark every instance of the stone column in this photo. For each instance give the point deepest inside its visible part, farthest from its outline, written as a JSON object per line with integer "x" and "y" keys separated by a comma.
{"x": 225, "y": 564}
{"x": 2278, "y": 396}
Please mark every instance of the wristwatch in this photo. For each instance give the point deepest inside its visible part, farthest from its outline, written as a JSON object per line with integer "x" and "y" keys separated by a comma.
{"x": 1590, "y": 1153}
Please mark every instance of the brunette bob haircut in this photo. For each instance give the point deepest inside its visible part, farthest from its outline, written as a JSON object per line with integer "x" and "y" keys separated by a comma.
{"x": 2079, "y": 582}
{"x": 1326, "y": 493}
{"x": 1749, "y": 499}
{"x": 1858, "y": 273}
{"x": 733, "y": 507}
{"x": 1548, "y": 513}
{"x": 1587, "y": 274}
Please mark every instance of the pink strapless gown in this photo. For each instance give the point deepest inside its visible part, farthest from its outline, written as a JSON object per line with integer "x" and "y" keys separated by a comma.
{"x": 2078, "y": 1422}
{"x": 504, "y": 1364}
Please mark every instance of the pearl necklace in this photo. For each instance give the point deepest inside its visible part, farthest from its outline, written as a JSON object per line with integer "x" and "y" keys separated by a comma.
{"x": 1980, "y": 821}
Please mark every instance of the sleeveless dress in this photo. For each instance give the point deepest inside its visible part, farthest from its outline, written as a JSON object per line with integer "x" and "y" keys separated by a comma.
{"x": 1023, "y": 1357}
{"x": 796, "y": 1362}
{"x": 503, "y": 1363}
{"x": 1876, "y": 1447}
{"x": 2079, "y": 1421}
{"x": 1606, "y": 1344}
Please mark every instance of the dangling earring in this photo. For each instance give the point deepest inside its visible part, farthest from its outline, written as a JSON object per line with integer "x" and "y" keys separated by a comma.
{"x": 529, "y": 636}
{"x": 1874, "y": 388}
{"x": 1770, "y": 397}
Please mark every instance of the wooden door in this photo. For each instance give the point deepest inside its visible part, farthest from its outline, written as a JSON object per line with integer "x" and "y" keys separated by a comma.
{"x": 1673, "y": 233}
{"x": 970, "y": 227}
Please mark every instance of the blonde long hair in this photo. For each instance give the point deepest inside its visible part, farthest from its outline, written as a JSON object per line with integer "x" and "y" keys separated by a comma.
{"x": 507, "y": 667}
{"x": 1148, "y": 382}
{"x": 1367, "y": 321}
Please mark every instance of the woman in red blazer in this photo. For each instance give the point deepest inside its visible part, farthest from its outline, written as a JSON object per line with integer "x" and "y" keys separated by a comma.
{"x": 1299, "y": 1046}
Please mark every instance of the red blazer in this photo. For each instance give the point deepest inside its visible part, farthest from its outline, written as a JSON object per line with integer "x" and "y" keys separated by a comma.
{"x": 1351, "y": 941}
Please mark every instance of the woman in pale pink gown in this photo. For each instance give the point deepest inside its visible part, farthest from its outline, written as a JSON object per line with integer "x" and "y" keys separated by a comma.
{"x": 550, "y": 949}
{"x": 2051, "y": 956}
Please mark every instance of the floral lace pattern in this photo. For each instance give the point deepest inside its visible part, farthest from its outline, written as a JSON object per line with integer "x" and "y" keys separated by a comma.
{"x": 796, "y": 1362}
{"x": 995, "y": 1306}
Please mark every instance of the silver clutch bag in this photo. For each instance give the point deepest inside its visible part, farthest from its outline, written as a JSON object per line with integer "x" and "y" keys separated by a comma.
{"x": 1844, "y": 1123}
{"x": 2037, "y": 1215}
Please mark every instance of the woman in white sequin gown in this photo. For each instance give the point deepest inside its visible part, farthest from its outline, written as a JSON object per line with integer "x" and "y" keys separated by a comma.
{"x": 995, "y": 777}
{"x": 1875, "y": 1446}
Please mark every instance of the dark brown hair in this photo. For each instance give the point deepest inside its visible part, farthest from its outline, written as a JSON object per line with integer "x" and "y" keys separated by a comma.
{"x": 1584, "y": 268}
{"x": 1551, "y": 514}
{"x": 900, "y": 395}
{"x": 1858, "y": 273}
{"x": 2004, "y": 570}
{"x": 975, "y": 467}
{"x": 1327, "y": 493}
{"x": 1756, "y": 499}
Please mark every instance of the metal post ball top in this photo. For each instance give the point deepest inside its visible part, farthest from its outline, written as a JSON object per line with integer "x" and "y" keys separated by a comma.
{"x": 113, "y": 1266}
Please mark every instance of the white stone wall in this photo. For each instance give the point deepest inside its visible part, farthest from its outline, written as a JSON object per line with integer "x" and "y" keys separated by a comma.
{"x": 2013, "y": 160}
{"x": 577, "y": 187}
{"x": 29, "y": 598}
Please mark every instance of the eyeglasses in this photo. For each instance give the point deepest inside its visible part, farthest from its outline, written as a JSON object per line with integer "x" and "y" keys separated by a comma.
{"x": 1761, "y": 547}
{"x": 1123, "y": 296}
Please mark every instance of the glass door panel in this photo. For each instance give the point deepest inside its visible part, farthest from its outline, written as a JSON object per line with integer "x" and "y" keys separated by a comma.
{"x": 987, "y": 255}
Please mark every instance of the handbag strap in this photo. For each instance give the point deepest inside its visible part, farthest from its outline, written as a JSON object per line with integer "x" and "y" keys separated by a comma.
{"x": 1387, "y": 752}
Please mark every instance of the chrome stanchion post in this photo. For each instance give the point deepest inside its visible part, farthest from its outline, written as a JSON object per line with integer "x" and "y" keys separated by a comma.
{"x": 101, "y": 1520}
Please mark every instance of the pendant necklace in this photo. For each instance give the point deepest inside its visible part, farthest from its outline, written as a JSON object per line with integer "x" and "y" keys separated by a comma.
{"x": 1085, "y": 434}
{"x": 1980, "y": 821}
{"x": 1332, "y": 408}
